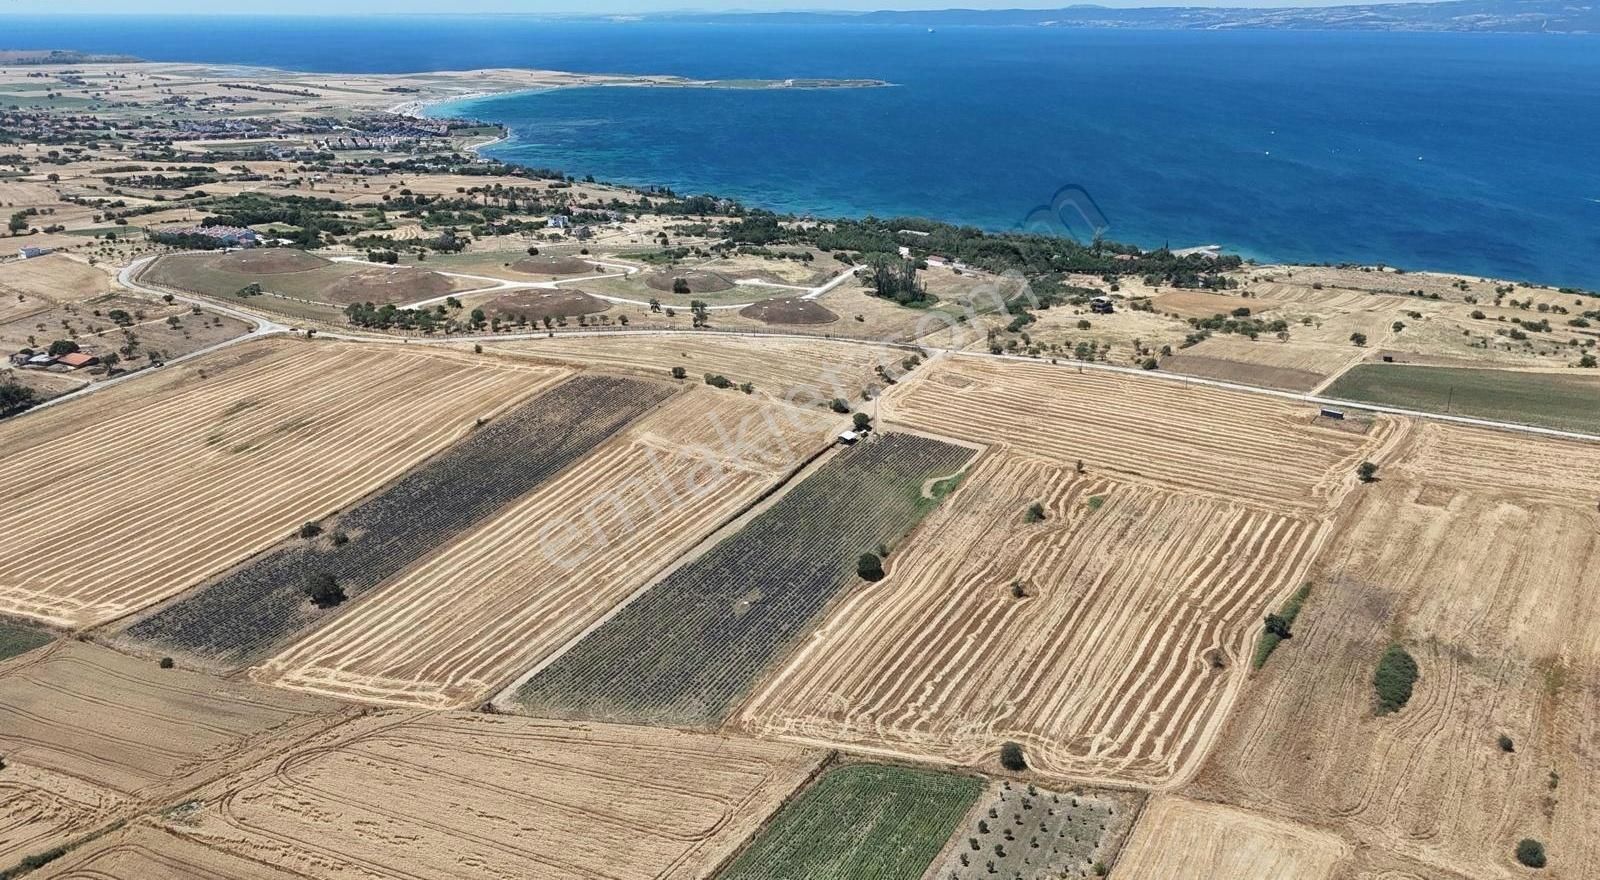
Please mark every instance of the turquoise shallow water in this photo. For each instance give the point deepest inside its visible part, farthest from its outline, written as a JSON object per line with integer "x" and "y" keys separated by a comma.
{"x": 1474, "y": 153}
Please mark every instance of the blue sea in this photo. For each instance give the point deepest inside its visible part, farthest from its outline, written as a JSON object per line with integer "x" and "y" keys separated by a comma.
{"x": 1473, "y": 153}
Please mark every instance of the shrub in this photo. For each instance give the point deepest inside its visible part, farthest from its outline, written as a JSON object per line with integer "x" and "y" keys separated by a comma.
{"x": 679, "y": 373}
{"x": 310, "y": 530}
{"x": 1396, "y": 673}
{"x": 1358, "y": 338}
{"x": 1506, "y": 745}
{"x": 323, "y": 589}
{"x": 1367, "y": 472}
{"x": 1530, "y": 852}
{"x": 1036, "y": 512}
{"x": 716, "y": 380}
{"x": 1011, "y": 757}
{"x": 862, "y": 421}
{"x": 681, "y": 286}
{"x": 870, "y": 567}
{"x": 339, "y": 539}
{"x": 839, "y": 405}
{"x": 1280, "y": 626}
{"x": 166, "y": 663}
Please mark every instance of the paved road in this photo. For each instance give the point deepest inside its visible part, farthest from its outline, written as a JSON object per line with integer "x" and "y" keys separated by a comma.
{"x": 128, "y": 277}
{"x": 266, "y": 327}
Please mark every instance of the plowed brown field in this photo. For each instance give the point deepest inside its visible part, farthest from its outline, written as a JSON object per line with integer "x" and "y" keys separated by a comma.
{"x": 89, "y": 735}
{"x": 1477, "y": 551}
{"x": 475, "y": 796}
{"x": 505, "y": 596}
{"x": 137, "y": 497}
{"x": 1238, "y": 446}
{"x": 1118, "y": 663}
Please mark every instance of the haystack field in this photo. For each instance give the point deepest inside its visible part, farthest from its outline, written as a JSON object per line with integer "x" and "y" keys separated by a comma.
{"x": 1190, "y": 438}
{"x": 476, "y": 796}
{"x": 802, "y": 370}
{"x": 1180, "y": 839}
{"x": 89, "y": 735}
{"x": 1118, "y": 660}
{"x": 116, "y": 502}
{"x": 1476, "y": 552}
{"x": 508, "y": 594}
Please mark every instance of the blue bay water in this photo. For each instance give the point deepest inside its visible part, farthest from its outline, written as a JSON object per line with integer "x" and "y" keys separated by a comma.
{"x": 1473, "y": 153}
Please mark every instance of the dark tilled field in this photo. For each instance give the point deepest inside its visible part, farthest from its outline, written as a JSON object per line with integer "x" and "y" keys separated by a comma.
{"x": 689, "y": 648}
{"x": 236, "y": 619}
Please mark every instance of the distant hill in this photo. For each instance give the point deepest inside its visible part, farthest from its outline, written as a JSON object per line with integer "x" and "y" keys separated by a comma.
{"x": 1481, "y": 16}
{"x": 59, "y": 56}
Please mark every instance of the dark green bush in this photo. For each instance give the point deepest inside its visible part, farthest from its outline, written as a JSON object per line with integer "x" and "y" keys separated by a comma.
{"x": 1530, "y": 852}
{"x": 1396, "y": 673}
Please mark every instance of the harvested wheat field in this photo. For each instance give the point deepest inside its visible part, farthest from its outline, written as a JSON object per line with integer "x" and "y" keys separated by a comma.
{"x": 1117, "y": 662}
{"x": 147, "y": 849}
{"x": 1292, "y": 365}
{"x": 262, "y": 606}
{"x": 90, "y": 735}
{"x": 1180, "y": 839}
{"x": 519, "y": 587}
{"x": 804, "y": 371}
{"x": 1476, "y": 552}
{"x": 477, "y": 796}
{"x": 55, "y": 278}
{"x": 174, "y": 480}
{"x": 1190, "y": 438}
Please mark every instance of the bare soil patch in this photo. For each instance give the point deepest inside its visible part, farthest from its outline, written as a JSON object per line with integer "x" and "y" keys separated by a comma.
{"x": 699, "y": 281}
{"x": 269, "y": 261}
{"x": 553, "y": 266}
{"x": 388, "y": 285}
{"x": 536, "y": 305}
{"x": 1204, "y": 367}
{"x": 789, "y": 311}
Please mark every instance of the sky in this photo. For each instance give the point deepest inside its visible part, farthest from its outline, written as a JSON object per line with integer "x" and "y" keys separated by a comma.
{"x": 590, "y": 7}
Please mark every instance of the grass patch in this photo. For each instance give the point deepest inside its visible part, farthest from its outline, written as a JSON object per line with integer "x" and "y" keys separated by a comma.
{"x": 1096, "y": 502}
{"x": 16, "y": 640}
{"x": 1393, "y": 680}
{"x": 1550, "y": 400}
{"x": 860, "y": 820}
{"x": 1272, "y": 633}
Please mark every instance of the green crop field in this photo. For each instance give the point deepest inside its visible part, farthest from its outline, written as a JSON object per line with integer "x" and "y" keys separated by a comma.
{"x": 16, "y": 640}
{"x": 1550, "y": 400}
{"x": 860, "y": 822}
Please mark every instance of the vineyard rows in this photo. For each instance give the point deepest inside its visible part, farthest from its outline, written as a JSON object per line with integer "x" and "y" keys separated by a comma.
{"x": 143, "y": 498}
{"x": 508, "y": 594}
{"x": 241, "y": 615}
{"x": 695, "y": 642}
{"x": 860, "y": 822}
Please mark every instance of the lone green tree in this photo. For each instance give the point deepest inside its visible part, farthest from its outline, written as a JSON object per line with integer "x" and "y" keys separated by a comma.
{"x": 1368, "y": 472}
{"x": 869, "y": 567}
{"x": 1011, "y": 757}
{"x": 862, "y": 421}
{"x": 323, "y": 589}
{"x": 1530, "y": 852}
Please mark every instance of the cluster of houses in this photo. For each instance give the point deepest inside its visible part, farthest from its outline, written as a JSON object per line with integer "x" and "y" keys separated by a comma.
{"x": 66, "y": 363}
{"x": 228, "y": 236}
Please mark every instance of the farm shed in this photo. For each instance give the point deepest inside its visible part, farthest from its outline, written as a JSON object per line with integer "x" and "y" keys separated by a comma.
{"x": 78, "y": 360}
